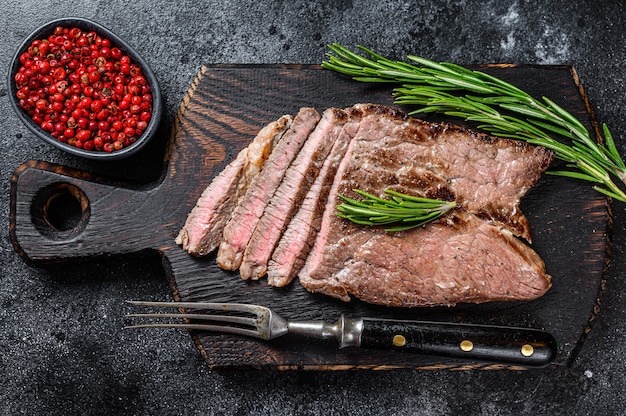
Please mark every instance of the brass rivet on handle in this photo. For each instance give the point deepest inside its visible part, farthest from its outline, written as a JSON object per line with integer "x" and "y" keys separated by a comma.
{"x": 467, "y": 345}
{"x": 527, "y": 350}
{"x": 398, "y": 341}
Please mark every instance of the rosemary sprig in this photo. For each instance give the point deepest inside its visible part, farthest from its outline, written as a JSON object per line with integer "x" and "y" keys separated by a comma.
{"x": 405, "y": 211}
{"x": 496, "y": 106}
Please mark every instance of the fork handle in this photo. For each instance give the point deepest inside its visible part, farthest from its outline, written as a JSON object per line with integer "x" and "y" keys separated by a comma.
{"x": 529, "y": 347}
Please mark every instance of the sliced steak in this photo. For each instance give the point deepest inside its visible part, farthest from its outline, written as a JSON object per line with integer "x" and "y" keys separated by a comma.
{"x": 464, "y": 259}
{"x": 203, "y": 228}
{"x": 290, "y": 193}
{"x": 296, "y": 242}
{"x": 486, "y": 176}
{"x": 320, "y": 264}
{"x": 246, "y": 214}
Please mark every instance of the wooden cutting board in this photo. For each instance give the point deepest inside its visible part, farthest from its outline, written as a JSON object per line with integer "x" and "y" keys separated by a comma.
{"x": 59, "y": 214}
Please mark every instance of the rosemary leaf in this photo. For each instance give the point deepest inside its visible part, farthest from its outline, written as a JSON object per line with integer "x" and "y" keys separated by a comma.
{"x": 610, "y": 145}
{"x": 573, "y": 121}
{"x": 550, "y": 127}
{"x": 406, "y": 211}
{"x": 570, "y": 174}
{"x": 525, "y": 110}
{"x": 607, "y": 192}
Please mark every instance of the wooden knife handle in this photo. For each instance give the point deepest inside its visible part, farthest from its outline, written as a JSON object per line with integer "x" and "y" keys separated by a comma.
{"x": 528, "y": 347}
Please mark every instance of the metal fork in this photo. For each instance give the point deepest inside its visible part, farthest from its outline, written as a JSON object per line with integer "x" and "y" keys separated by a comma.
{"x": 530, "y": 347}
{"x": 245, "y": 319}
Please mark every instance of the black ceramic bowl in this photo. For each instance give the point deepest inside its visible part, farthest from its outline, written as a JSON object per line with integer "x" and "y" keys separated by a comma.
{"x": 87, "y": 25}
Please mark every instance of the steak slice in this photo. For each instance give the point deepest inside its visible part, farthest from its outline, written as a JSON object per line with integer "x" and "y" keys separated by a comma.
{"x": 246, "y": 214}
{"x": 486, "y": 176}
{"x": 296, "y": 242}
{"x": 203, "y": 228}
{"x": 463, "y": 259}
{"x": 289, "y": 195}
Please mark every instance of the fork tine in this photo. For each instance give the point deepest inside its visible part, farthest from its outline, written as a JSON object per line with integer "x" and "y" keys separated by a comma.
{"x": 199, "y": 316}
{"x": 201, "y": 327}
{"x": 253, "y": 323}
{"x": 238, "y": 307}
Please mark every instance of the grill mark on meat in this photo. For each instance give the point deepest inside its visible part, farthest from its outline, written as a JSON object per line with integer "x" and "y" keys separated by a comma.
{"x": 289, "y": 195}
{"x": 246, "y": 214}
{"x": 290, "y": 253}
{"x": 203, "y": 228}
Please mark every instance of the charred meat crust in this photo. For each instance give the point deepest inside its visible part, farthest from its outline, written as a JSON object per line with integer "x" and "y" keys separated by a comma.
{"x": 438, "y": 265}
{"x": 486, "y": 175}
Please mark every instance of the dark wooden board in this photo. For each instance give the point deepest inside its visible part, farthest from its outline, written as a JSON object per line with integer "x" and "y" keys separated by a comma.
{"x": 224, "y": 108}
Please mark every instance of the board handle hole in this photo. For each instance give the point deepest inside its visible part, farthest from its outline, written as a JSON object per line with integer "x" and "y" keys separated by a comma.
{"x": 60, "y": 211}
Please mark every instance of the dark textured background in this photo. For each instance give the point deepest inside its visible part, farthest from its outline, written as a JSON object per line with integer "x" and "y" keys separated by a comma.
{"x": 62, "y": 349}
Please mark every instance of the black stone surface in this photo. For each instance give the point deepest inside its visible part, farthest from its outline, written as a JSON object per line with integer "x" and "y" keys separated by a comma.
{"x": 62, "y": 347}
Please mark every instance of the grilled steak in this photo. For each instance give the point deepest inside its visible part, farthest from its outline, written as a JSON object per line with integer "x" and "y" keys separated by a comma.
{"x": 286, "y": 223}
{"x": 246, "y": 215}
{"x": 289, "y": 195}
{"x": 462, "y": 259}
{"x": 202, "y": 231}
{"x": 294, "y": 245}
{"x": 486, "y": 176}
